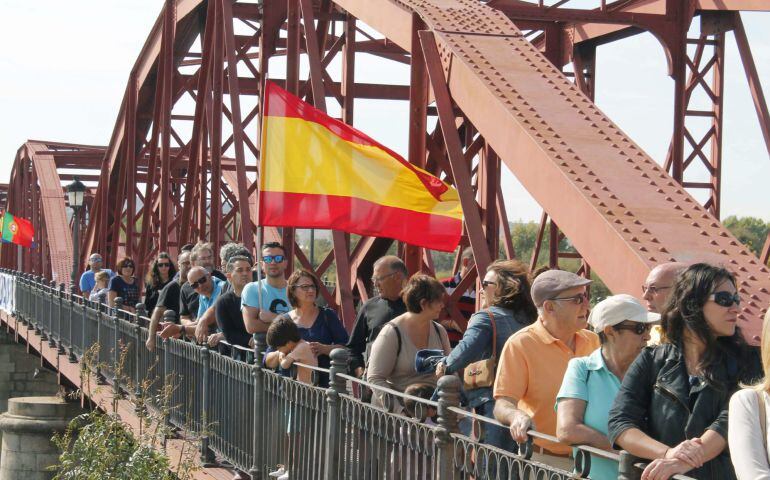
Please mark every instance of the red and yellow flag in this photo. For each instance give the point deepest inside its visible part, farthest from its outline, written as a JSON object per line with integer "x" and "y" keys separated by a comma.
{"x": 17, "y": 230}
{"x": 318, "y": 172}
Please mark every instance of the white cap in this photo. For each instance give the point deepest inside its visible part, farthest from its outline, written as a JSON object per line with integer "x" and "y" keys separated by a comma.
{"x": 619, "y": 308}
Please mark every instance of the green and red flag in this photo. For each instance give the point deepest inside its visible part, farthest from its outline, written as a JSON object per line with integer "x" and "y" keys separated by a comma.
{"x": 17, "y": 230}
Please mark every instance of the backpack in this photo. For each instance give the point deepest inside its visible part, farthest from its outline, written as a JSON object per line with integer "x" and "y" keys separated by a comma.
{"x": 398, "y": 336}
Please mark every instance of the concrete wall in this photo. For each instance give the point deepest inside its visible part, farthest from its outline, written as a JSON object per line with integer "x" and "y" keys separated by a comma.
{"x": 17, "y": 373}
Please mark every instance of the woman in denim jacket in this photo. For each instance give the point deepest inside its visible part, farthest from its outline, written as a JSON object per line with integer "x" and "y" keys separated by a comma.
{"x": 506, "y": 294}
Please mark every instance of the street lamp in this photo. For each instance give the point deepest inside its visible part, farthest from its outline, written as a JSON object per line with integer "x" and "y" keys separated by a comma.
{"x": 76, "y": 192}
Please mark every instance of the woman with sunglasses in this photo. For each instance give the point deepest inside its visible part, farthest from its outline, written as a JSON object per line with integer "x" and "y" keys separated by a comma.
{"x": 318, "y": 326}
{"x": 590, "y": 383}
{"x": 508, "y": 307}
{"x": 162, "y": 270}
{"x": 124, "y": 285}
{"x": 672, "y": 405}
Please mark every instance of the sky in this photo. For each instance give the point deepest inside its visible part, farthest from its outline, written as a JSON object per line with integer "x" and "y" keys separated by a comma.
{"x": 64, "y": 66}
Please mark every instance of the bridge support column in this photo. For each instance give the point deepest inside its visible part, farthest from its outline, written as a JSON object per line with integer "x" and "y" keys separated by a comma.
{"x": 27, "y": 429}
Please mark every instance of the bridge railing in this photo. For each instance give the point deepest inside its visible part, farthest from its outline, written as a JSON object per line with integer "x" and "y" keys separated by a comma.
{"x": 257, "y": 420}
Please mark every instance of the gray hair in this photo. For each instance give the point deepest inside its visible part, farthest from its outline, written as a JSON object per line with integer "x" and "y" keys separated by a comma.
{"x": 231, "y": 249}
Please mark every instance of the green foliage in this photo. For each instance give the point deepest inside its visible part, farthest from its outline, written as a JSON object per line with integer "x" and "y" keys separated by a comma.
{"x": 98, "y": 446}
{"x": 751, "y": 231}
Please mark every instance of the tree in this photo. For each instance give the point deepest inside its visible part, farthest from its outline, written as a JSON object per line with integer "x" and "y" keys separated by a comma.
{"x": 751, "y": 231}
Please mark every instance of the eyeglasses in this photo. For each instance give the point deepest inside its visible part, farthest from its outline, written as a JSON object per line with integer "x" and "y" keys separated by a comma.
{"x": 576, "y": 299}
{"x": 725, "y": 299}
{"x": 486, "y": 283}
{"x": 376, "y": 279}
{"x": 164, "y": 265}
{"x": 306, "y": 288}
{"x": 128, "y": 265}
{"x": 653, "y": 289}
{"x": 272, "y": 258}
{"x": 199, "y": 282}
{"x": 636, "y": 327}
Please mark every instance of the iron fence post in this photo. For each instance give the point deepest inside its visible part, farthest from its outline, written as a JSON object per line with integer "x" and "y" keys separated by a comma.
{"x": 116, "y": 347}
{"x": 40, "y": 309}
{"x": 83, "y": 320}
{"x": 448, "y": 397}
{"x": 339, "y": 364}
{"x": 167, "y": 385}
{"x": 626, "y": 467}
{"x": 71, "y": 355}
{"x": 100, "y": 378}
{"x": 137, "y": 331}
{"x": 44, "y": 322}
{"x": 141, "y": 311}
{"x": 59, "y": 346}
{"x": 207, "y": 455}
{"x": 257, "y": 429}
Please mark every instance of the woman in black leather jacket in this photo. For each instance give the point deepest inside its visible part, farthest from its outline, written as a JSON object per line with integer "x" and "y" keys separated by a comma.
{"x": 672, "y": 405}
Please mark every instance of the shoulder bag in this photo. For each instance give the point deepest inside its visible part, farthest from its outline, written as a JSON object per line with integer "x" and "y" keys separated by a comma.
{"x": 482, "y": 373}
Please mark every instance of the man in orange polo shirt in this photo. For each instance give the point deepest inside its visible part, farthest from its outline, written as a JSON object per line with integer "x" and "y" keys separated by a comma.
{"x": 534, "y": 359}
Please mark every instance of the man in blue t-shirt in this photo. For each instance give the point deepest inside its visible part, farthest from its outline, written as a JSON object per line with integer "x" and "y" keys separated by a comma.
{"x": 258, "y": 312}
{"x": 87, "y": 280}
{"x": 208, "y": 288}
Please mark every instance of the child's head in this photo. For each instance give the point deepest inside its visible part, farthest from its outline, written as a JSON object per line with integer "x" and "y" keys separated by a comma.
{"x": 283, "y": 335}
{"x": 419, "y": 390}
{"x": 102, "y": 278}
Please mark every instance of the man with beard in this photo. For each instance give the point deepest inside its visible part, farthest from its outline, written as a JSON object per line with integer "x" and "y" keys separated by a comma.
{"x": 265, "y": 299}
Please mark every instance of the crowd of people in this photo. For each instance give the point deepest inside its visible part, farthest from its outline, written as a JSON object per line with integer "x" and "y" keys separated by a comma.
{"x": 662, "y": 381}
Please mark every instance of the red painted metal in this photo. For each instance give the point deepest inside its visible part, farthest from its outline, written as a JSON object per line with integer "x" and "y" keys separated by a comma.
{"x": 171, "y": 176}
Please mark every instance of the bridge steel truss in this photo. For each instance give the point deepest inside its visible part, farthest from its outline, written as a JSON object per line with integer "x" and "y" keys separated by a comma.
{"x": 509, "y": 84}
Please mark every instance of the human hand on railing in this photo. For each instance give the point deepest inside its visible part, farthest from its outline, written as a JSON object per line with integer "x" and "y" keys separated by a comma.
{"x": 215, "y": 338}
{"x": 150, "y": 343}
{"x": 664, "y": 468}
{"x": 201, "y": 332}
{"x": 169, "y": 329}
{"x": 440, "y": 369}
{"x": 519, "y": 426}
{"x": 690, "y": 451}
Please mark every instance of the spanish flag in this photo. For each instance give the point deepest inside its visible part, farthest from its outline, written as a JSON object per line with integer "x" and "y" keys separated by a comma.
{"x": 318, "y": 172}
{"x": 17, "y": 230}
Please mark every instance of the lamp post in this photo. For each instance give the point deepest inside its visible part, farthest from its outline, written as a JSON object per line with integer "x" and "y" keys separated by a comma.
{"x": 76, "y": 192}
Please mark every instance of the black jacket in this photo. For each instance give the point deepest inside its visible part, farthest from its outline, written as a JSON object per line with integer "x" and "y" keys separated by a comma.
{"x": 658, "y": 398}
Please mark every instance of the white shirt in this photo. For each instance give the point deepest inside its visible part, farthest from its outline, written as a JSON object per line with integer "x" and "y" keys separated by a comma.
{"x": 749, "y": 457}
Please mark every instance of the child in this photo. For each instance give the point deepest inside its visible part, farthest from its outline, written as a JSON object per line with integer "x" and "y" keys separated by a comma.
{"x": 283, "y": 337}
{"x": 420, "y": 390}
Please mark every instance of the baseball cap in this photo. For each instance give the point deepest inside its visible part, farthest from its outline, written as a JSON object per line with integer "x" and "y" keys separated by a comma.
{"x": 619, "y": 308}
{"x": 551, "y": 283}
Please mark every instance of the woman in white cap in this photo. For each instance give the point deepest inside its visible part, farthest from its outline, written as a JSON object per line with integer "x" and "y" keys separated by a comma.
{"x": 590, "y": 383}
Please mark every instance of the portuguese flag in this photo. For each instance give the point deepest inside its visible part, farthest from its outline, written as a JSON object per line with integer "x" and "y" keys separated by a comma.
{"x": 17, "y": 230}
{"x": 318, "y": 172}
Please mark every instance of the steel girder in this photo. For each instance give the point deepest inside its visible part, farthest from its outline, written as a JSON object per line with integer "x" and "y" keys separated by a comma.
{"x": 36, "y": 192}
{"x": 498, "y": 99}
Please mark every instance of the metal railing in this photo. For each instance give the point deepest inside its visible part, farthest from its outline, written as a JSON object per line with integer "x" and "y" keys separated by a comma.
{"x": 257, "y": 420}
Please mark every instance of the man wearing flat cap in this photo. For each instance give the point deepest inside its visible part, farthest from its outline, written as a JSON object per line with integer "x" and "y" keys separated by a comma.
{"x": 534, "y": 359}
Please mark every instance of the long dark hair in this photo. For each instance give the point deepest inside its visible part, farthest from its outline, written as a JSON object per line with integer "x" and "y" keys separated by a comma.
{"x": 684, "y": 310}
{"x": 513, "y": 288}
{"x": 153, "y": 276}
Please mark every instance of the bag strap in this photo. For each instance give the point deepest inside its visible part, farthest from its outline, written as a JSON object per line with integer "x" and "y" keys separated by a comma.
{"x": 494, "y": 334}
{"x": 762, "y": 416}
{"x": 398, "y": 339}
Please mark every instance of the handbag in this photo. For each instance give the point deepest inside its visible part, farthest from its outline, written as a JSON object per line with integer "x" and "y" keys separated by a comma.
{"x": 481, "y": 374}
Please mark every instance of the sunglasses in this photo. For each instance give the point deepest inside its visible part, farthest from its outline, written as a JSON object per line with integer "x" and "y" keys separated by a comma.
{"x": 486, "y": 283}
{"x": 164, "y": 265}
{"x": 198, "y": 283}
{"x": 128, "y": 265}
{"x": 725, "y": 299}
{"x": 653, "y": 289}
{"x": 636, "y": 327}
{"x": 272, "y": 258}
{"x": 576, "y": 299}
{"x": 306, "y": 288}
